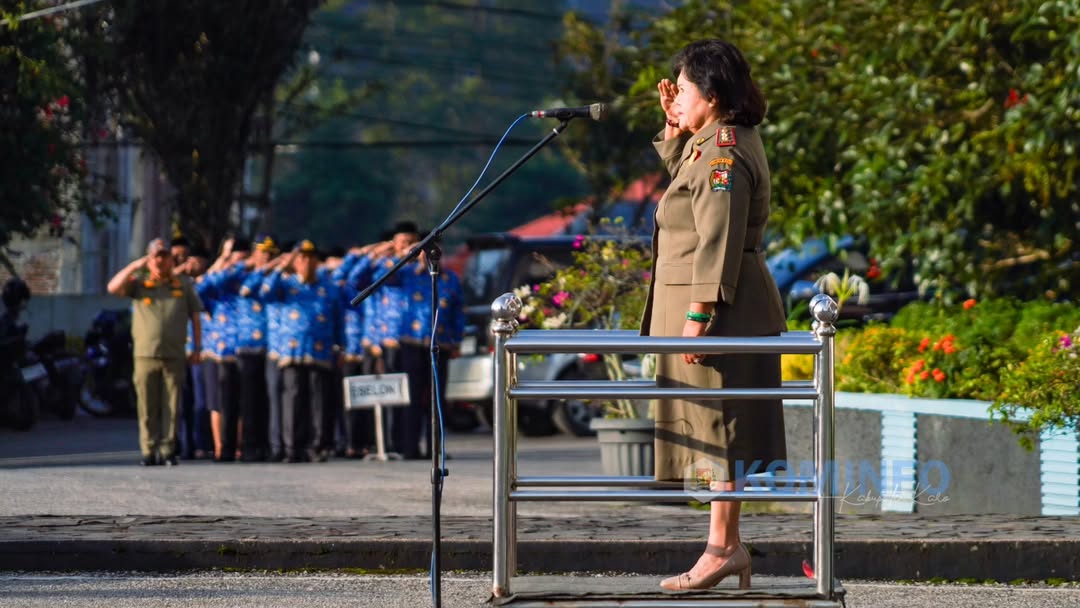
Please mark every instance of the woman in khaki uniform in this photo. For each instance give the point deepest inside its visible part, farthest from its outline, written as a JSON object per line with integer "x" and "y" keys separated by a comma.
{"x": 709, "y": 278}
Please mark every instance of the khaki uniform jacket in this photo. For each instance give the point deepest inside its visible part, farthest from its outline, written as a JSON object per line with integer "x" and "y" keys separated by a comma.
{"x": 709, "y": 230}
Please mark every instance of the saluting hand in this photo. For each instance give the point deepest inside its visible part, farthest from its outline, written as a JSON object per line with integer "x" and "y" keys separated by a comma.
{"x": 668, "y": 92}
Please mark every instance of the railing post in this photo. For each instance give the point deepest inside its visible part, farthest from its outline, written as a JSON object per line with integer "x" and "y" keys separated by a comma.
{"x": 504, "y": 312}
{"x": 825, "y": 313}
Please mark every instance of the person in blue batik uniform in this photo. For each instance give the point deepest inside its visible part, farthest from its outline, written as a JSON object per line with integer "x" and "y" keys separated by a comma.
{"x": 415, "y": 335}
{"x": 221, "y": 286}
{"x": 311, "y": 330}
{"x": 392, "y": 303}
{"x": 247, "y": 321}
{"x": 353, "y": 276}
{"x": 275, "y": 343}
{"x": 194, "y": 417}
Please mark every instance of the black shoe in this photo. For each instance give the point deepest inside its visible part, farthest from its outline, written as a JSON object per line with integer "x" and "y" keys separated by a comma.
{"x": 149, "y": 461}
{"x": 171, "y": 461}
{"x": 229, "y": 458}
{"x": 277, "y": 456}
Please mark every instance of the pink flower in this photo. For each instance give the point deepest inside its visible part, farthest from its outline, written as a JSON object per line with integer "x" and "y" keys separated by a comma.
{"x": 560, "y": 297}
{"x": 578, "y": 241}
{"x": 1065, "y": 341}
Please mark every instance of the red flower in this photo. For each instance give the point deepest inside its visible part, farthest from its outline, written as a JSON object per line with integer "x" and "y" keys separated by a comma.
{"x": 969, "y": 304}
{"x": 925, "y": 344}
{"x": 814, "y": 53}
{"x": 52, "y": 148}
{"x": 924, "y": 375}
{"x": 63, "y": 101}
{"x": 874, "y": 271}
{"x": 1015, "y": 99}
{"x": 918, "y": 365}
{"x": 939, "y": 376}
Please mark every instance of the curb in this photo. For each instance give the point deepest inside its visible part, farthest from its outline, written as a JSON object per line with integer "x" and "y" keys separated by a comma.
{"x": 999, "y": 560}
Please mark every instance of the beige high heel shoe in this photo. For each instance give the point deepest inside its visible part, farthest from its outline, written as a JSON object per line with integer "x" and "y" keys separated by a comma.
{"x": 739, "y": 561}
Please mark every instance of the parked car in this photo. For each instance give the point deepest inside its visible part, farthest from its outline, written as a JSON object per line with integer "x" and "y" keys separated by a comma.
{"x": 797, "y": 270}
{"x": 499, "y": 263}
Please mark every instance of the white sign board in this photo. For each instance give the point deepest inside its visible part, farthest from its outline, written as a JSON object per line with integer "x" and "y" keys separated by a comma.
{"x": 363, "y": 392}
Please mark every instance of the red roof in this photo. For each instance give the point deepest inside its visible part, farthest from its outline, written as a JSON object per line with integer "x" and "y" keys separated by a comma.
{"x": 550, "y": 224}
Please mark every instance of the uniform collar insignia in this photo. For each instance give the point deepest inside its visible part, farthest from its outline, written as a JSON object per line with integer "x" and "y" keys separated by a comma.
{"x": 725, "y": 137}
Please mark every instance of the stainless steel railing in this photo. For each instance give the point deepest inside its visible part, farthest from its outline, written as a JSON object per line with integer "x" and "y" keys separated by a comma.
{"x": 509, "y": 488}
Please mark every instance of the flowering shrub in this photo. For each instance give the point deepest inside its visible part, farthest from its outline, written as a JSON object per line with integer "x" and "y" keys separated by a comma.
{"x": 1048, "y": 383}
{"x": 875, "y": 360}
{"x": 1020, "y": 356}
{"x": 604, "y": 288}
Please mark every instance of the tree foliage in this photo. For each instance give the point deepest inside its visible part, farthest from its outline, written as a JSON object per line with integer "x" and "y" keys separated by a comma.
{"x": 943, "y": 132}
{"x": 42, "y": 114}
{"x": 193, "y": 74}
{"x": 441, "y": 83}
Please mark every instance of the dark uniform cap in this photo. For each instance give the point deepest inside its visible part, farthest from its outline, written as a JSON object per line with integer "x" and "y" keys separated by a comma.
{"x": 305, "y": 246}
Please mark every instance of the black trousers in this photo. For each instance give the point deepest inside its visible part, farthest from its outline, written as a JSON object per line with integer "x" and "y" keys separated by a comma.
{"x": 229, "y": 392}
{"x": 254, "y": 405}
{"x": 360, "y": 424}
{"x": 307, "y": 423}
{"x": 273, "y": 393}
{"x": 416, "y": 417}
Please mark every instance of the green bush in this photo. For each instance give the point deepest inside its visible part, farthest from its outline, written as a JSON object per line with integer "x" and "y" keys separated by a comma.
{"x": 1017, "y": 355}
{"x": 1046, "y": 384}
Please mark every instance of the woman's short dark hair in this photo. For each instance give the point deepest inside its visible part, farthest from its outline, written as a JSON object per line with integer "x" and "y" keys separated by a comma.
{"x": 721, "y": 72}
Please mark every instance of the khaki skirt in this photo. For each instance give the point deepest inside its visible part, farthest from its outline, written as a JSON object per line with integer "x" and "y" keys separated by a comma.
{"x": 713, "y": 440}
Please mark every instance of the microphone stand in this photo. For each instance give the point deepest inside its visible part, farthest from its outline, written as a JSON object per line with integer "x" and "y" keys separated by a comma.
{"x": 430, "y": 246}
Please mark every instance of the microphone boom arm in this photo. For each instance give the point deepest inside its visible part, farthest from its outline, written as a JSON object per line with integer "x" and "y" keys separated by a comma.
{"x": 456, "y": 215}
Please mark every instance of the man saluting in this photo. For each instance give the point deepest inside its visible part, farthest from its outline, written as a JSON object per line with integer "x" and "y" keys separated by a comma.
{"x": 164, "y": 302}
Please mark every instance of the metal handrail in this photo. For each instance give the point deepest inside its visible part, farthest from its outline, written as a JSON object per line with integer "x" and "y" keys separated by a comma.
{"x": 616, "y": 390}
{"x": 507, "y": 490}
{"x": 546, "y": 341}
{"x": 586, "y": 481}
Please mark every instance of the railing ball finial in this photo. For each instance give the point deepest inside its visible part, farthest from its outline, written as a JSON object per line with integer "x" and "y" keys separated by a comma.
{"x": 504, "y": 312}
{"x": 825, "y": 313}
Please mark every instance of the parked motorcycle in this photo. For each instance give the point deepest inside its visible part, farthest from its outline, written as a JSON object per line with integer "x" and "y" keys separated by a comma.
{"x": 107, "y": 389}
{"x": 19, "y": 403}
{"x": 60, "y": 392}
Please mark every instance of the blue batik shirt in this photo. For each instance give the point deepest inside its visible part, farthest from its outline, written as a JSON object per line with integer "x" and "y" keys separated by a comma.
{"x": 219, "y": 338}
{"x": 416, "y": 324}
{"x": 391, "y": 302}
{"x": 352, "y": 277}
{"x": 272, "y": 309}
{"x": 310, "y": 322}
{"x": 246, "y": 316}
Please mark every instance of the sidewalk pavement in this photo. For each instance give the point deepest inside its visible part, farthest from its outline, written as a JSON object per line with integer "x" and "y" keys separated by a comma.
{"x": 894, "y": 546}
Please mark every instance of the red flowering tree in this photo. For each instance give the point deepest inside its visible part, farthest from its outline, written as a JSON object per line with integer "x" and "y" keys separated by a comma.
{"x": 42, "y": 110}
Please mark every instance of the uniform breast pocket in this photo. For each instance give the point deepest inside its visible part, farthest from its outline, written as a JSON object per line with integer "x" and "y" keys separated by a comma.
{"x": 668, "y": 273}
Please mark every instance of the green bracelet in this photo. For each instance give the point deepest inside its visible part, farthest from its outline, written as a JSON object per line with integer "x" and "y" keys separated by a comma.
{"x": 700, "y": 317}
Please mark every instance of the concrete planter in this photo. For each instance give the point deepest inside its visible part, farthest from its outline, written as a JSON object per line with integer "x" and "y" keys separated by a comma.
{"x": 938, "y": 456}
{"x": 626, "y": 445}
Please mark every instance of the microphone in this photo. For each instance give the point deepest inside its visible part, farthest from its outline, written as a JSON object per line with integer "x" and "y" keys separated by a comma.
{"x": 597, "y": 111}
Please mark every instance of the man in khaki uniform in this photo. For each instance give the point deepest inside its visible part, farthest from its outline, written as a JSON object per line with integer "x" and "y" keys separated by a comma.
{"x": 164, "y": 302}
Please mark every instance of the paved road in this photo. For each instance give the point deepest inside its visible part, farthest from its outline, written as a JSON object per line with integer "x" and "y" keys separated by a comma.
{"x": 216, "y": 590}
{"x": 87, "y": 467}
